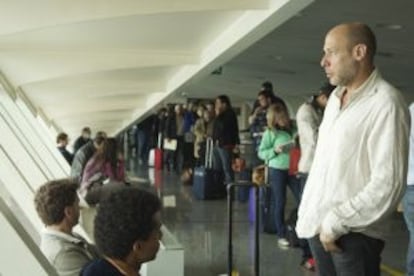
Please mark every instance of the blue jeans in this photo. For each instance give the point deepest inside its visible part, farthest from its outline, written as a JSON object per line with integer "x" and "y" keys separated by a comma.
{"x": 222, "y": 159}
{"x": 279, "y": 180}
{"x": 408, "y": 204}
{"x": 142, "y": 149}
{"x": 294, "y": 186}
{"x": 360, "y": 256}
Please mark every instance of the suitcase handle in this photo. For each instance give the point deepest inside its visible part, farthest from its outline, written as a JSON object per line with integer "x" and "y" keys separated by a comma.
{"x": 208, "y": 162}
{"x": 159, "y": 140}
{"x": 230, "y": 189}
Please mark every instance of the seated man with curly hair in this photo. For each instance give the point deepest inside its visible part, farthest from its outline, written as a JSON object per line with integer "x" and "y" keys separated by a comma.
{"x": 127, "y": 232}
{"x": 57, "y": 204}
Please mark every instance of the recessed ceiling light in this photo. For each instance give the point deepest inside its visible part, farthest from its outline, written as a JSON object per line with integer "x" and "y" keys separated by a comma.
{"x": 387, "y": 26}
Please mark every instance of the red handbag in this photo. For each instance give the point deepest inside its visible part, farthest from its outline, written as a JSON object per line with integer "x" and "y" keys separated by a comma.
{"x": 294, "y": 155}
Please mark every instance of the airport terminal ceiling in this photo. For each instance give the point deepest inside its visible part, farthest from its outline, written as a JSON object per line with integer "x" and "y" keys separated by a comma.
{"x": 106, "y": 64}
{"x": 290, "y": 55}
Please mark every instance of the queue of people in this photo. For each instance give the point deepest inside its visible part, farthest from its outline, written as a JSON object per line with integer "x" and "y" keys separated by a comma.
{"x": 354, "y": 140}
{"x": 97, "y": 166}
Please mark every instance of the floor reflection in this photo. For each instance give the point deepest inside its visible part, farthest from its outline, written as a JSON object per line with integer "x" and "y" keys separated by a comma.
{"x": 201, "y": 227}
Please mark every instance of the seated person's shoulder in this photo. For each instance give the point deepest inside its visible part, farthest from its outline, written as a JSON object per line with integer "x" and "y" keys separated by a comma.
{"x": 71, "y": 261}
{"x": 100, "y": 267}
{"x": 66, "y": 256}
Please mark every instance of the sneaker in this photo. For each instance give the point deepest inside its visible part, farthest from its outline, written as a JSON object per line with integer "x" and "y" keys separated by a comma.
{"x": 283, "y": 242}
{"x": 308, "y": 264}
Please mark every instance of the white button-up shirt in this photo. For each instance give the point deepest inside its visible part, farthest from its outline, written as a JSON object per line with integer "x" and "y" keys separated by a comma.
{"x": 360, "y": 167}
{"x": 308, "y": 119}
{"x": 410, "y": 177}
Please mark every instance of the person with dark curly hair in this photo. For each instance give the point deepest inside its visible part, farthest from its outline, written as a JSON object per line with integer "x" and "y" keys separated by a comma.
{"x": 127, "y": 232}
{"x": 57, "y": 205}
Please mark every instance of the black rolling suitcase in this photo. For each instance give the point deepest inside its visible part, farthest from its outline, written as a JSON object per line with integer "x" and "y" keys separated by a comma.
{"x": 208, "y": 183}
{"x": 230, "y": 194}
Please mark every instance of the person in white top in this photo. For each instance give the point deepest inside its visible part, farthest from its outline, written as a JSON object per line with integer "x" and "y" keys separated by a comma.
{"x": 360, "y": 164}
{"x": 308, "y": 119}
{"x": 408, "y": 200}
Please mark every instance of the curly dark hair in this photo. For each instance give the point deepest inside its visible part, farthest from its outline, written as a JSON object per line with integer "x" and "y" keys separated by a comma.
{"x": 124, "y": 217}
{"x": 52, "y": 198}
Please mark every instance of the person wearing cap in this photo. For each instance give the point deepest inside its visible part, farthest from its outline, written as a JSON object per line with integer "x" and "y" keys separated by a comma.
{"x": 308, "y": 119}
{"x": 267, "y": 92}
{"x": 257, "y": 119}
{"x": 267, "y": 87}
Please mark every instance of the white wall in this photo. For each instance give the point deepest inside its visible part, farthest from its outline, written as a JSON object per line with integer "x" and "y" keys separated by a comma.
{"x": 20, "y": 255}
{"x": 29, "y": 158}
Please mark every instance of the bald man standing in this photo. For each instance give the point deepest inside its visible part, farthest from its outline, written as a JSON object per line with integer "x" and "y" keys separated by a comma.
{"x": 358, "y": 173}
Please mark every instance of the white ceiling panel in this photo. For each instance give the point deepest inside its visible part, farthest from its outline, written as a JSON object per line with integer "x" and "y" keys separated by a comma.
{"x": 169, "y": 32}
{"x": 101, "y": 115}
{"x": 69, "y": 108}
{"x": 289, "y": 56}
{"x": 112, "y": 62}
{"x": 27, "y": 67}
{"x": 22, "y": 15}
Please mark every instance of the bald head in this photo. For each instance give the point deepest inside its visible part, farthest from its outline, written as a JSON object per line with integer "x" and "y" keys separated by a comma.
{"x": 349, "y": 51}
{"x": 357, "y": 33}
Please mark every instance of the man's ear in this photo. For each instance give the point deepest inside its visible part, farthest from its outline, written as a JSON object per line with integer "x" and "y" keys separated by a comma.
{"x": 137, "y": 246}
{"x": 359, "y": 51}
{"x": 68, "y": 211}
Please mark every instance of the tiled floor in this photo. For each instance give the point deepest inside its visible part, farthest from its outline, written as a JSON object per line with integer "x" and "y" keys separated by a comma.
{"x": 201, "y": 228}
